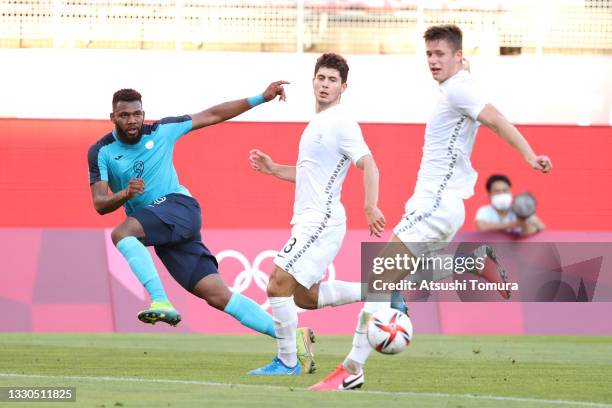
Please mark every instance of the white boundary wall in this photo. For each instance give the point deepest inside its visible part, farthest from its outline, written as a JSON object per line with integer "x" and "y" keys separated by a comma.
{"x": 59, "y": 83}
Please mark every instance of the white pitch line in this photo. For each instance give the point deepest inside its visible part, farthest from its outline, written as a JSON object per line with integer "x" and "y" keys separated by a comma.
{"x": 285, "y": 388}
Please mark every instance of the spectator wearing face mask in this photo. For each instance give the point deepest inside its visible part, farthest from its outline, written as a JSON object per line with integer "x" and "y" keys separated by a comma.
{"x": 498, "y": 216}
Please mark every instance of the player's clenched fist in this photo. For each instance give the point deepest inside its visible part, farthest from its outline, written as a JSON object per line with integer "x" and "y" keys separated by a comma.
{"x": 135, "y": 186}
{"x": 542, "y": 163}
{"x": 275, "y": 89}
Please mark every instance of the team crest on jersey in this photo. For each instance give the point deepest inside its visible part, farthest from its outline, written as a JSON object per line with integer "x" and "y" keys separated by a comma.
{"x": 149, "y": 145}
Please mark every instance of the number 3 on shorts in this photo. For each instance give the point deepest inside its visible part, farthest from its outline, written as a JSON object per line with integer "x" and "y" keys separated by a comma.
{"x": 289, "y": 245}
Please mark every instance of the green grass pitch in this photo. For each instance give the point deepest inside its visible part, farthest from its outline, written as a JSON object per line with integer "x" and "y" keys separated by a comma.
{"x": 151, "y": 370}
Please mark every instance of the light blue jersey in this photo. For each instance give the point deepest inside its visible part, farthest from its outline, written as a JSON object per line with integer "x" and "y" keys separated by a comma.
{"x": 150, "y": 159}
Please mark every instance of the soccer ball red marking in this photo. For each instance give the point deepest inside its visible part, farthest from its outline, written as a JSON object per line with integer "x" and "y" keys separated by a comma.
{"x": 389, "y": 331}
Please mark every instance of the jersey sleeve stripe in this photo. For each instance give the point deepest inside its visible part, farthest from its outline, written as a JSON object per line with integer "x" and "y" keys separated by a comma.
{"x": 92, "y": 157}
{"x": 148, "y": 129}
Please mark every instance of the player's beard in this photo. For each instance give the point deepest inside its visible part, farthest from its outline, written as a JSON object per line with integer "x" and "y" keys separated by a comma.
{"x": 125, "y": 139}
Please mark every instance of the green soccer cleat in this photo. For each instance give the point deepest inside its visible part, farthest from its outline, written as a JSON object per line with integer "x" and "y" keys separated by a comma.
{"x": 160, "y": 312}
{"x": 304, "y": 337}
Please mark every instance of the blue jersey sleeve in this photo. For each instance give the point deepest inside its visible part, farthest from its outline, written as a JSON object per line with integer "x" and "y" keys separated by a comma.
{"x": 96, "y": 159}
{"x": 174, "y": 127}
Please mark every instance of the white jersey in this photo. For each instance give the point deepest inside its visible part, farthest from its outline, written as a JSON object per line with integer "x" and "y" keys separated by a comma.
{"x": 330, "y": 142}
{"x": 449, "y": 139}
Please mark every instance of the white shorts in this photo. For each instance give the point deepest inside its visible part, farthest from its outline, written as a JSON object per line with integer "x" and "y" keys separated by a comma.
{"x": 310, "y": 250}
{"x": 429, "y": 222}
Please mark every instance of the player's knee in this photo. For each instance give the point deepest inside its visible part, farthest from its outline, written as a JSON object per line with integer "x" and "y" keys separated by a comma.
{"x": 274, "y": 285}
{"x": 213, "y": 290}
{"x": 281, "y": 284}
{"x": 273, "y": 289}
{"x": 305, "y": 303}
{"x": 118, "y": 234}
{"x": 128, "y": 228}
{"x": 218, "y": 300}
{"x": 277, "y": 288}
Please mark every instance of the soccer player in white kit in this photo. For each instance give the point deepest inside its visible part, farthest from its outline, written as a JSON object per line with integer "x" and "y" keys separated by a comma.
{"x": 329, "y": 144}
{"x": 435, "y": 211}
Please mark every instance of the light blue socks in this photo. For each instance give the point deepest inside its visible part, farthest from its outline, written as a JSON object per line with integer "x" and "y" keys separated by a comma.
{"x": 250, "y": 314}
{"x": 141, "y": 263}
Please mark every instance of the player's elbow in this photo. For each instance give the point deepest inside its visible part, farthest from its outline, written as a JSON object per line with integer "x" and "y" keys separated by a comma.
{"x": 493, "y": 127}
{"x": 492, "y": 123}
{"x": 491, "y": 118}
{"x": 367, "y": 163}
{"x": 100, "y": 208}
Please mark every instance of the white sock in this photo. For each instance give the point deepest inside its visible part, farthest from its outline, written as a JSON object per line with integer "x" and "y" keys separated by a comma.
{"x": 376, "y": 301}
{"x": 285, "y": 317}
{"x": 361, "y": 349}
{"x": 336, "y": 293}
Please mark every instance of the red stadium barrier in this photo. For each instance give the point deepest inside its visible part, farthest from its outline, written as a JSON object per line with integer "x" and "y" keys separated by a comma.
{"x": 43, "y": 173}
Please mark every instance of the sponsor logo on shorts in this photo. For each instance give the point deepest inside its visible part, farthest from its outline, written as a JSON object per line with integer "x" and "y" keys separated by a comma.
{"x": 158, "y": 201}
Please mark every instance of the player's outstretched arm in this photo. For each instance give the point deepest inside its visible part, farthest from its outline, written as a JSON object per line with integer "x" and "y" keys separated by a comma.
{"x": 105, "y": 203}
{"x": 374, "y": 216}
{"x": 228, "y": 110}
{"x": 494, "y": 120}
{"x": 263, "y": 163}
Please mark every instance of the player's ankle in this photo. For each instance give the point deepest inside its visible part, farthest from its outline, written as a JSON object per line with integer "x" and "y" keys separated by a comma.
{"x": 352, "y": 366}
{"x": 289, "y": 360}
{"x": 162, "y": 303}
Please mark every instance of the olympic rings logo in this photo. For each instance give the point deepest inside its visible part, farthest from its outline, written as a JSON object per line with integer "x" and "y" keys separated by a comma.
{"x": 253, "y": 273}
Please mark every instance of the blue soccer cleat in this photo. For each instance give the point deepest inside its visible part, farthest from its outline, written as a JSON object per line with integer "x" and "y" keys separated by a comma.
{"x": 277, "y": 367}
{"x": 398, "y": 302}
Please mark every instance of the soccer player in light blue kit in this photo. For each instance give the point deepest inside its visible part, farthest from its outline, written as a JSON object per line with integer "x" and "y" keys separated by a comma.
{"x": 135, "y": 162}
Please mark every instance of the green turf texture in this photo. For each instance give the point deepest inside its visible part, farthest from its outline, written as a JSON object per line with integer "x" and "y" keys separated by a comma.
{"x": 435, "y": 371}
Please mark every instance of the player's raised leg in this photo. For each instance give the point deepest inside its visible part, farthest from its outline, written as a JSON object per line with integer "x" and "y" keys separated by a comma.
{"x": 328, "y": 293}
{"x": 349, "y": 374}
{"x": 492, "y": 271}
{"x": 214, "y": 290}
{"x": 216, "y": 293}
{"x": 126, "y": 238}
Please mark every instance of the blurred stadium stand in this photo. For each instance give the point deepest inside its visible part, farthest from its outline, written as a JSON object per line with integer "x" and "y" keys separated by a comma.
{"x": 567, "y": 27}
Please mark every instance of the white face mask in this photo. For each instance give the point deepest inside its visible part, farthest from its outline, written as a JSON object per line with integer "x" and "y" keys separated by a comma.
{"x": 502, "y": 201}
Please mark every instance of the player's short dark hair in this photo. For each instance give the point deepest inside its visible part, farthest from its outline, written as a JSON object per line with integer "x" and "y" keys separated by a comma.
{"x": 126, "y": 95}
{"x": 334, "y": 61}
{"x": 449, "y": 32}
{"x": 497, "y": 177}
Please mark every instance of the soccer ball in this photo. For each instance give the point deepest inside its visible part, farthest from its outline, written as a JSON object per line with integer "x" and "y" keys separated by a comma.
{"x": 389, "y": 331}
